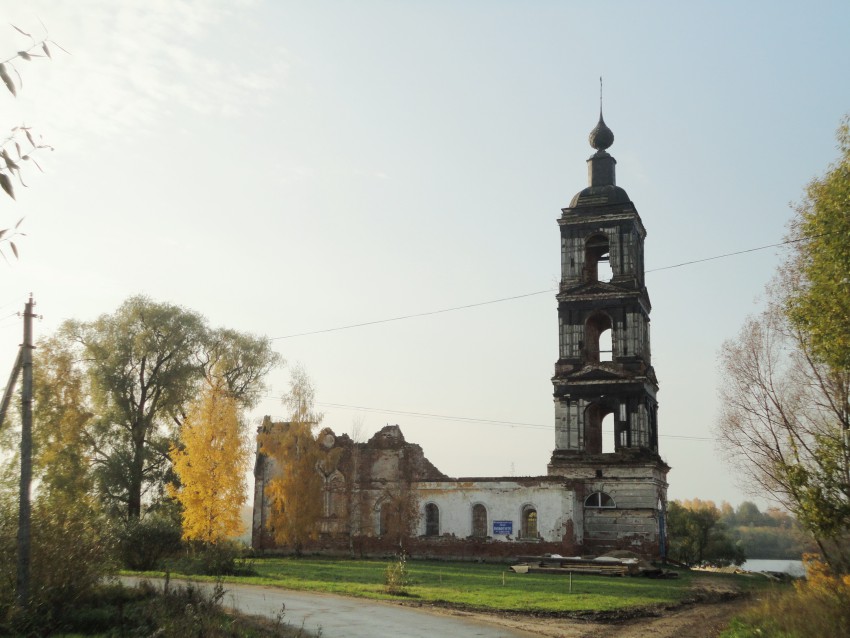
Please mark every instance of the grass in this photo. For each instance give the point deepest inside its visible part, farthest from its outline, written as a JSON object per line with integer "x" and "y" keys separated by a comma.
{"x": 485, "y": 587}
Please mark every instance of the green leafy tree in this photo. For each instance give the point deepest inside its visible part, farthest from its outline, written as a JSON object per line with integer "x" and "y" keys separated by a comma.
{"x": 144, "y": 364}
{"x": 819, "y": 302}
{"x": 696, "y": 535}
{"x": 785, "y": 419}
{"x": 143, "y": 368}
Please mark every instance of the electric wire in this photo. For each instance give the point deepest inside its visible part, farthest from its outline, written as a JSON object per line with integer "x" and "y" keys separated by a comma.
{"x": 529, "y": 294}
{"x": 466, "y": 419}
{"x": 513, "y": 424}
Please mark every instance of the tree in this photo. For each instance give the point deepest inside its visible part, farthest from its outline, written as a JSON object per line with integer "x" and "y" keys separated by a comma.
{"x": 210, "y": 462}
{"x": 144, "y": 364}
{"x": 62, "y": 422}
{"x": 296, "y": 492}
{"x": 71, "y": 543}
{"x": 785, "y": 419}
{"x": 143, "y": 369}
{"x": 697, "y": 536}
{"x": 819, "y": 303}
{"x": 783, "y": 422}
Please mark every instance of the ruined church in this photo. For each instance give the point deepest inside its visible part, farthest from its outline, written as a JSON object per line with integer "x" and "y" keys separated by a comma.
{"x": 385, "y": 492}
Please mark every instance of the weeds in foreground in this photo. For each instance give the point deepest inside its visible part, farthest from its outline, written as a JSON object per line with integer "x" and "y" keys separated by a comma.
{"x": 148, "y": 610}
{"x": 818, "y": 606}
{"x": 396, "y": 577}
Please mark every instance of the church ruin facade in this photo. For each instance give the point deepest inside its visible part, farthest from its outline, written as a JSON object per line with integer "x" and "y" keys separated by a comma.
{"x": 598, "y": 494}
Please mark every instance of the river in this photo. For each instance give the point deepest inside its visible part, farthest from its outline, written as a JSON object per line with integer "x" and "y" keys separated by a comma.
{"x": 792, "y": 567}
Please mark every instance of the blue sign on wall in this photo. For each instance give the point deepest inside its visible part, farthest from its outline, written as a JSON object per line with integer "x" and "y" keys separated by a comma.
{"x": 503, "y": 527}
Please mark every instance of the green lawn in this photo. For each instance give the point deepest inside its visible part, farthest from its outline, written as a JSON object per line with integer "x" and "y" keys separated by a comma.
{"x": 478, "y": 585}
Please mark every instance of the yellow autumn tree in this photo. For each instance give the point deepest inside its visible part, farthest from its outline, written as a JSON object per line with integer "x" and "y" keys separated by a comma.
{"x": 211, "y": 461}
{"x": 295, "y": 493}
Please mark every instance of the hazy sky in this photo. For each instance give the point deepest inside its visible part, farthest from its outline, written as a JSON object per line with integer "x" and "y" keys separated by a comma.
{"x": 287, "y": 167}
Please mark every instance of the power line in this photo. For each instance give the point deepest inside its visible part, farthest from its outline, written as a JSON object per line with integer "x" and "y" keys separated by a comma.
{"x": 466, "y": 419}
{"x": 739, "y": 252}
{"x": 529, "y": 294}
{"x": 412, "y": 316}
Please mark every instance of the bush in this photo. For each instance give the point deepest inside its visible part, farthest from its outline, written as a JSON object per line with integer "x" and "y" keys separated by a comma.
{"x": 220, "y": 559}
{"x": 146, "y": 542}
{"x": 818, "y": 606}
{"x": 70, "y": 554}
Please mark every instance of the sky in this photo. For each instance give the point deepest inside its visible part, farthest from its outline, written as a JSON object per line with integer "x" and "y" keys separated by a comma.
{"x": 294, "y": 167}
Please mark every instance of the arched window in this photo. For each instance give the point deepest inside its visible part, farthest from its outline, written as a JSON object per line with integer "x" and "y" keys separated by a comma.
{"x": 529, "y": 522}
{"x": 598, "y": 339}
{"x": 596, "y": 259}
{"x": 599, "y": 500}
{"x": 384, "y": 519}
{"x": 479, "y": 520}
{"x": 336, "y": 497}
{"x": 432, "y": 520}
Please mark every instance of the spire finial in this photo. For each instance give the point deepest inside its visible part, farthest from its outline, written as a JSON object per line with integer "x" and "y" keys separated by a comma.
{"x": 600, "y": 97}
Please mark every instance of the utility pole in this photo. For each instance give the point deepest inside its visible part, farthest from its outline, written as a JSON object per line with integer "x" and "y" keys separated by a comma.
{"x": 25, "y": 508}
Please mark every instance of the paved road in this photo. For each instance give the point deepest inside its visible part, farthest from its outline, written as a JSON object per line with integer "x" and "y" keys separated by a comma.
{"x": 343, "y": 617}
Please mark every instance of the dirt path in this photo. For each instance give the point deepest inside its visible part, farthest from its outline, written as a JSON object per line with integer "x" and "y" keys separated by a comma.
{"x": 691, "y": 621}
{"x": 696, "y": 620}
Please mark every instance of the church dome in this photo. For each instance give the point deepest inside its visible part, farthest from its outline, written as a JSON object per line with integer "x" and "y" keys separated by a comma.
{"x": 601, "y": 137}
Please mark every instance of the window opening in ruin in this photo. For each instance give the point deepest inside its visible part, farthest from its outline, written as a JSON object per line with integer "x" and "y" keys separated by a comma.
{"x": 594, "y": 329}
{"x": 599, "y": 500}
{"x": 336, "y": 498}
{"x": 529, "y": 522}
{"x": 608, "y": 436}
{"x": 386, "y": 512}
{"x": 432, "y": 520}
{"x": 479, "y": 521}
{"x": 597, "y": 265}
{"x": 593, "y": 434}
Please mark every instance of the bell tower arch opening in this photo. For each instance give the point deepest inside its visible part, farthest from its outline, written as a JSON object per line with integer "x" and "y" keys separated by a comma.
{"x": 609, "y": 438}
{"x": 594, "y": 416}
{"x": 598, "y": 338}
{"x": 597, "y": 259}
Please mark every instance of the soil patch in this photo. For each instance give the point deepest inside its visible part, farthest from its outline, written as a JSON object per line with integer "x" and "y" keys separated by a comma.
{"x": 706, "y": 612}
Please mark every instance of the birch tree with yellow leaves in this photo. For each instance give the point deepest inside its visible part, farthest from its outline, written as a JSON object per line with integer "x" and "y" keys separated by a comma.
{"x": 211, "y": 461}
{"x": 296, "y": 493}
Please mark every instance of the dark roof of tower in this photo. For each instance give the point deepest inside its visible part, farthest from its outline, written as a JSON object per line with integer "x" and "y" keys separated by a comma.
{"x": 602, "y": 189}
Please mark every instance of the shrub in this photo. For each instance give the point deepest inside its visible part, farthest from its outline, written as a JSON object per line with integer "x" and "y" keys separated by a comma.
{"x": 70, "y": 554}
{"x": 146, "y": 542}
{"x": 219, "y": 559}
{"x": 818, "y": 606}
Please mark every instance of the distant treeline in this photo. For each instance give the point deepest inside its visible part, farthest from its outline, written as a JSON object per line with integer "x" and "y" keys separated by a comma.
{"x": 699, "y": 533}
{"x": 773, "y": 533}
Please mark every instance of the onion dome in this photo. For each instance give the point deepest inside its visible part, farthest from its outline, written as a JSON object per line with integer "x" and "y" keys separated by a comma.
{"x": 601, "y": 137}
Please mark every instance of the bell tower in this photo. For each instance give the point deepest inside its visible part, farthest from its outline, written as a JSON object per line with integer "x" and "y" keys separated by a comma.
{"x": 604, "y": 363}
